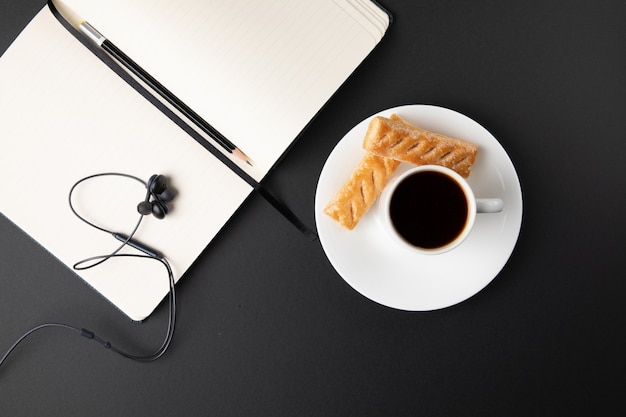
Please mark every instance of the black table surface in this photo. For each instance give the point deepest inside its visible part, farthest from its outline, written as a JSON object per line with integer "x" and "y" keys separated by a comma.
{"x": 266, "y": 327}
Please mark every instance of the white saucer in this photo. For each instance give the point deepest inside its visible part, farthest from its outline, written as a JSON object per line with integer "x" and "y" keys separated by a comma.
{"x": 375, "y": 266}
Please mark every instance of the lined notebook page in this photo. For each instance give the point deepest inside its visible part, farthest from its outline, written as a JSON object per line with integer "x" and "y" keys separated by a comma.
{"x": 258, "y": 71}
{"x": 65, "y": 115}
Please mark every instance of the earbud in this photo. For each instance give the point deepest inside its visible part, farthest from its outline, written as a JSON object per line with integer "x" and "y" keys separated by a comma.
{"x": 157, "y": 197}
{"x": 145, "y": 208}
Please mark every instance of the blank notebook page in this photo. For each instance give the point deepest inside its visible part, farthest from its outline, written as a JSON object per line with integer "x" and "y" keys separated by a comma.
{"x": 258, "y": 71}
{"x": 66, "y": 115}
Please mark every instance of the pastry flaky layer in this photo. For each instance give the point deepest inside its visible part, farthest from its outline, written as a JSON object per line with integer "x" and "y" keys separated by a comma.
{"x": 388, "y": 141}
{"x": 357, "y": 194}
{"x": 396, "y": 139}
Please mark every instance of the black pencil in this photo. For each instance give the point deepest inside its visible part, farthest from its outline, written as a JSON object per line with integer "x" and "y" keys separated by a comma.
{"x": 106, "y": 45}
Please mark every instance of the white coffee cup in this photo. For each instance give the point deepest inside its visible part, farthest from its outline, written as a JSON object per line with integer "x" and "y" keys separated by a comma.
{"x": 431, "y": 209}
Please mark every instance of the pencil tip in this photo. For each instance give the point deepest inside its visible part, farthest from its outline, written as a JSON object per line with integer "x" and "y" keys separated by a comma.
{"x": 237, "y": 152}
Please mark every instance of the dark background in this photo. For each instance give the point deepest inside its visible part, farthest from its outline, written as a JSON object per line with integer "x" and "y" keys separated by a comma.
{"x": 267, "y": 327}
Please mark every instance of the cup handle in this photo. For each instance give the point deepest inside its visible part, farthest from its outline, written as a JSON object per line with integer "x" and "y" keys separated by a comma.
{"x": 489, "y": 205}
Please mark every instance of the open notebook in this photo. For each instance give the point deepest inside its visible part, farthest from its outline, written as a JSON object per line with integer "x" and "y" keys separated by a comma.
{"x": 257, "y": 71}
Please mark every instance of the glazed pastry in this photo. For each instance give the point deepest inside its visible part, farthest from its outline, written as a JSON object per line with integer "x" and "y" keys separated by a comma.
{"x": 396, "y": 139}
{"x": 357, "y": 194}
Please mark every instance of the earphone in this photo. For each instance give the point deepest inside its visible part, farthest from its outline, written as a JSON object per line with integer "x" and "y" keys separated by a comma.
{"x": 160, "y": 194}
{"x": 155, "y": 203}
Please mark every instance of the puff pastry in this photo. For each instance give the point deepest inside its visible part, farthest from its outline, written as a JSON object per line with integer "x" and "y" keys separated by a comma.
{"x": 358, "y": 193}
{"x": 396, "y": 139}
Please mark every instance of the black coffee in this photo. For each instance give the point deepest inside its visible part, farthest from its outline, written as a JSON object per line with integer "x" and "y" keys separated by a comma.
{"x": 428, "y": 209}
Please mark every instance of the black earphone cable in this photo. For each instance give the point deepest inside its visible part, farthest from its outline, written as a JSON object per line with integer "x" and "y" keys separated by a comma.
{"x": 170, "y": 326}
{"x": 84, "y": 264}
{"x": 33, "y": 330}
{"x": 127, "y": 240}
